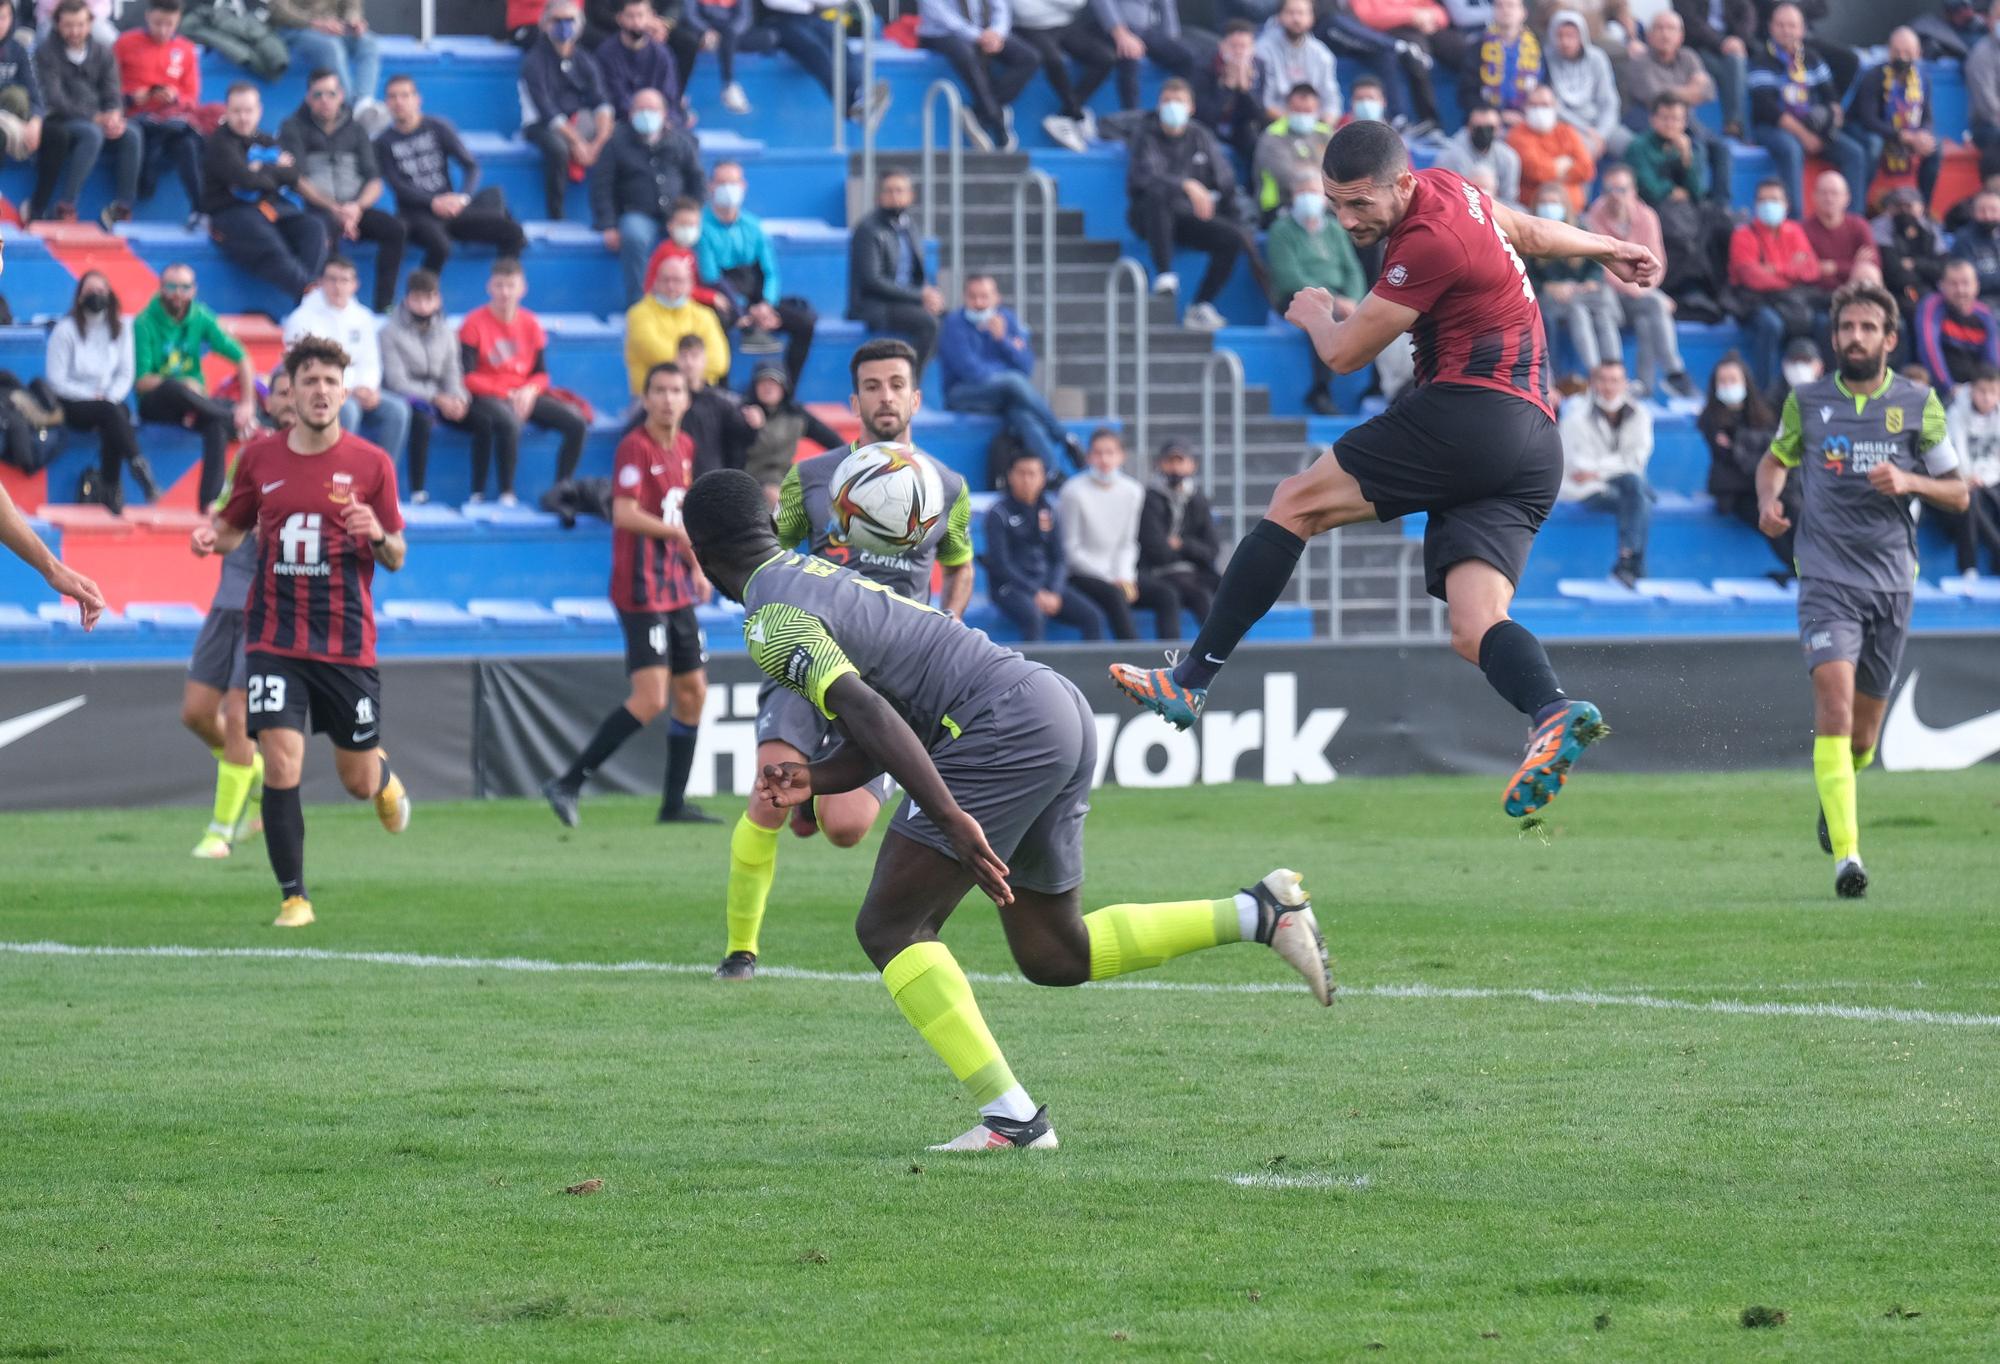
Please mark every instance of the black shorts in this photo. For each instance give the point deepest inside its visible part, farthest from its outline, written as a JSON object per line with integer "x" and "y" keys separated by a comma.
{"x": 1484, "y": 465}
{"x": 663, "y": 639}
{"x": 339, "y": 700}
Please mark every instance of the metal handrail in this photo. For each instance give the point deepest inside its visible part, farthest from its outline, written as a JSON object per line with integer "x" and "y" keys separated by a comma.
{"x": 1122, "y": 269}
{"x": 955, "y": 155}
{"x": 840, "y": 100}
{"x": 1047, "y": 185}
{"x": 1231, "y": 365}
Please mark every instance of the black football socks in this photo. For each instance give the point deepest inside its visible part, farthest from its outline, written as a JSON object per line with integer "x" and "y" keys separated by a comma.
{"x": 680, "y": 762}
{"x": 1518, "y": 667}
{"x": 1257, "y": 574}
{"x": 285, "y": 838}
{"x": 620, "y": 725}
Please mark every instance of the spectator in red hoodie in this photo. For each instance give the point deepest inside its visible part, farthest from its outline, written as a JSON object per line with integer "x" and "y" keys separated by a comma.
{"x": 503, "y": 349}
{"x": 1773, "y": 265}
{"x": 683, "y": 231}
{"x": 159, "y": 73}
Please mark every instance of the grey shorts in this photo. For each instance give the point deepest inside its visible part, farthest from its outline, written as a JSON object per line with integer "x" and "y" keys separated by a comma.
{"x": 1859, "y": 625}
{"x": 1023, "y": 770}
{"x": 785, "y": 717}
{"x": 218, "y": 651}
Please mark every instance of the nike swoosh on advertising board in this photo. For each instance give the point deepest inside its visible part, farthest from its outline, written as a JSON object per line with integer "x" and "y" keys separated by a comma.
{"x": 21, "y": 726}
{"x": 1910, "y": 745}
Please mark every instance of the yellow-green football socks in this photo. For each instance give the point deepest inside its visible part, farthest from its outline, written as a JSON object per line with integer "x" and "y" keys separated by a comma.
{"x": 1833, "y": 773}
{"x": 1127, "y": 938}
{"x": 753, "y": 865}
{"x": 232, "y": 791}
{"x": 1864, "y": 759}
{"x": 927, "y": 985}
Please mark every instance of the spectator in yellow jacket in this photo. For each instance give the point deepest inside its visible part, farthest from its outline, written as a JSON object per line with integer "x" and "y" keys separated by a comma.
{"x": 655, "y": 325}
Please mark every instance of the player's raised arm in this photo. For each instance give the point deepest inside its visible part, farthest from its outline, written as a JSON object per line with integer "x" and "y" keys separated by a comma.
{"x": 1352, "y": 344}
{"x": 1545, "y": 238}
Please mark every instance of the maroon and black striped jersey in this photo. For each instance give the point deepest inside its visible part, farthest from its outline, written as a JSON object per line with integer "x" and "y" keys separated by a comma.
{"x": 313, "y": 595}
{"x": 648, "y": 574}
{"x": 1478, "y": 322}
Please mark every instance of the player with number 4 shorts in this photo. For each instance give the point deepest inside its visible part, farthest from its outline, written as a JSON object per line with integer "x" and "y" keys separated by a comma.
{"x": 996, "y": 755}
{"x": 322, "y": 506}
{"x": 1472, "y": 443}
{"x": 655, "y": 586}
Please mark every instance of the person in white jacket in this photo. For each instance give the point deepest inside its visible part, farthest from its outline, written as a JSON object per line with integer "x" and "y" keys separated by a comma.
{"x": 1607, "y": 443}
{"x": 332, "y": 311}
{"x": 91, "y": 369}
{"x": 1099, "y": 514}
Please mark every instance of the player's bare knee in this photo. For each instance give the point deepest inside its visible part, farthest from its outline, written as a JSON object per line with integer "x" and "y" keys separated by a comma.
{"x": 1056, "y": 970}
{"x": 360, "y": 780}
{"x": 880, "y": 937}
{"x": 843, "y": 833}
{"x": 687, "y": 695}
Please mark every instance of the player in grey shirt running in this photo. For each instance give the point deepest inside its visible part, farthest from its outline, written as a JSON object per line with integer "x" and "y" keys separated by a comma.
{"x": 996, "y": 755}
{"x": 886, "y": 399}
{"x": 1868, "y": 444}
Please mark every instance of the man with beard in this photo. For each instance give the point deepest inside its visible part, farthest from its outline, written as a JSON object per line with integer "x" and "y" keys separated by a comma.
{"x": 170, "y": 338}
{"x": 1868, "y": 444}
{"x": 790, "y": 729}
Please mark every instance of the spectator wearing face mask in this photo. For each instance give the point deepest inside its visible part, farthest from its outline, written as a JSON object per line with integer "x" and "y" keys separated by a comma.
{"x": 1956, "y": 334}
{"x": 1293, "y": 57}
{"x": 1979, "y": 242}
{"x": 565, "y": 111}
{"x": 1574, "y": 296}
{"x": 1309, "y": 250}
{"x": 634, "y": 59}
{"x": 422, "y": 364}
{"x": 1294, "y": 143}
{"x": 1738, "y": 426}
{"x": 735, "y": 251}
{"x": 683, "y": 236}
{"x": 1769, "y": 259}
{"x": 987, "y": 364}
{"x": 780, "y": 423}
{"x": 1648, "y": 311}
{"x": 1802, "y": 365}
{"x": 1025, "y": 570}
{"x": 1478, "y": 145}
{"x": 1552, "y": 152}
{"x": 647, "y": 168}
{"x": 1180, "y": 185}
{"x": 90, "y": 367}
{"x": 1100, "y": 524}
{"x": 1894, "y": 112}
{"x": 1399, "y": 35}
{"x": 1177, "y": 540}
{"x": 1228, "y": 96}
{"x": 1607, "y": 443}
{"x": 1368, "y": 104}
{"x": 655, "y": 325}
{"x": 1911, "y": 249}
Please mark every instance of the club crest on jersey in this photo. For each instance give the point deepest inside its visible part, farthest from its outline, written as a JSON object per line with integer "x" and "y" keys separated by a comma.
{"x": 1397, "y": 277}
{"x": 340, "y": 488}
{"x": 1892, "y": 418}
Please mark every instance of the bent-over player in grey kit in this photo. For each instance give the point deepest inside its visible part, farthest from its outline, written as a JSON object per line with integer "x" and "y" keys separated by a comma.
{"x": 886, "y": 399}
{"x": 1867, "y": 443}
{"x": 996, "y": 754}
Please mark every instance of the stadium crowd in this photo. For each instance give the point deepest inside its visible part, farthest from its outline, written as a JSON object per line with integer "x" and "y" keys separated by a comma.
{"x": 1581, "y": 113}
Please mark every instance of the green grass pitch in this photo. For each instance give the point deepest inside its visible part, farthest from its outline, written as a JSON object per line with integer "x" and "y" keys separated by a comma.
{"x": 1532, "y": 1152}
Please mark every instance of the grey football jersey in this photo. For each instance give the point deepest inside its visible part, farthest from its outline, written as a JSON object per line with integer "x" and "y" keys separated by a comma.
{"x": 239, "y": 572}
{"x": 1849, "y": 533}
{"x": 805, "y": 517}
{"x": 807, "y": 621}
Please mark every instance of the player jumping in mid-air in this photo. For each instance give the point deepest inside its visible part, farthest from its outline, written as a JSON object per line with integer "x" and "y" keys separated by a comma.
{"x": 886, "y": 399}
{"x": 655, "y": 586}
{"x": 996, "y": 755}
{"x": 1472, "y": 443}
{"x": 322, "y": 504}
{"x": 1858, "y": 439}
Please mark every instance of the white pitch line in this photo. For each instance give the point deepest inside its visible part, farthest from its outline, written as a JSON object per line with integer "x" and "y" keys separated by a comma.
{"x": 1305, "y": 1181}
{"x": 1853, "y": 1013}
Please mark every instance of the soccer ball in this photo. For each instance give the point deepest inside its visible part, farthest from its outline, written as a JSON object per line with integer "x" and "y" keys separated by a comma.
{"x": 887, "y": 497}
